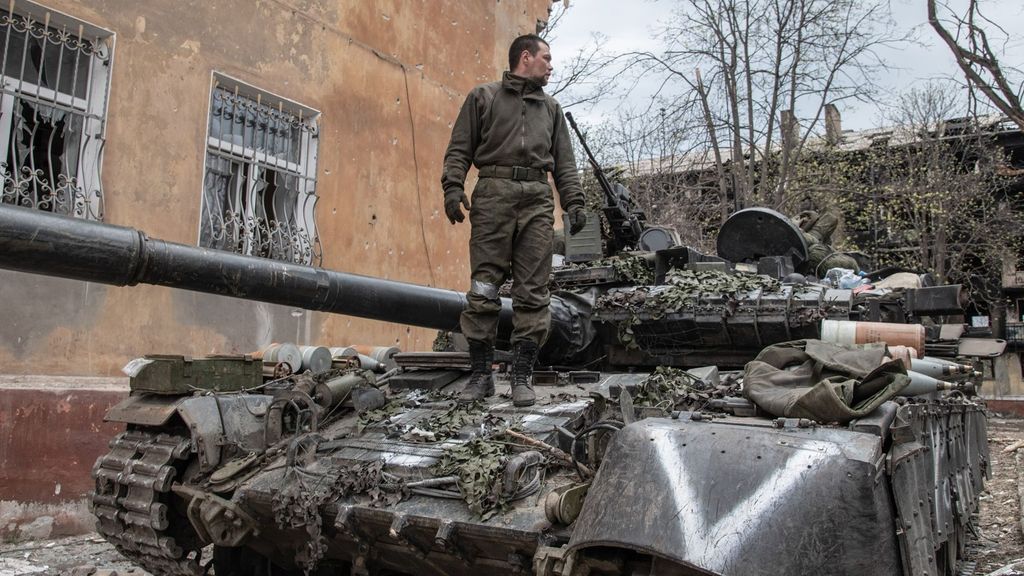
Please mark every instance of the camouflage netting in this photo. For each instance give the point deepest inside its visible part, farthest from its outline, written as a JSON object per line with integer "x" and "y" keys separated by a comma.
{"x": 479, "y": 464}
{"x": 676, "y": 389}
{"x": 683, "y": 290}
{"x": 444, "y": 425}
{"x": 304, "y": 492}
{"x": 443, "y": 342}
{"x": 631, "y": 269}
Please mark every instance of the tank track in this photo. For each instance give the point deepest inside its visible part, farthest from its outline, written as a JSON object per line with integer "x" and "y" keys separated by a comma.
{"x": 132, "y": 502}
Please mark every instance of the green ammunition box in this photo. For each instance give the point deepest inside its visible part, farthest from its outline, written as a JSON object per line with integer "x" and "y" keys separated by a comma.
{"x": 159, "y": 374}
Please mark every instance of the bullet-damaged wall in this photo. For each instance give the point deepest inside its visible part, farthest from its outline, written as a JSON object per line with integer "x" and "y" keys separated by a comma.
{"x": 387, "y": 77}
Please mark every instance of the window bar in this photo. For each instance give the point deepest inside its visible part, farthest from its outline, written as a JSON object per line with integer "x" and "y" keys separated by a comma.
{"x": 285, "y": 199}
{"x": 267, "y": 192}
{"x": 7, "y": 35}
{"x": 9, "y": 187}
{"x": 61, "y": 47}
{"x": 32, "y": 179}
{"x": 50, "y": 176}
{"x": 276, "y": 224}
{"x": 272, "y": 130}
{"x": 42, "y": 53}
{"x": 248, "y": 181}
{"x": 238, "y": 207}
{"x": 78, "y": 183}
{"x": 77, "y": 188}
{"x": 294, "y": 129}
{"x": 239, "y": 188}
{"x": 219, "y": 235}
{"x": 302, "y": 238}
{"x": 236, "y": 204}
{"x": 261, "y": 229}
{"x": 74, "y": 74}
{"x": 280, "y": 230}
{"x": 255, "y": 177}
{"x": 89, "y": 76}
{"x": 312, "y": 236}
{"x": 24, "y": 52}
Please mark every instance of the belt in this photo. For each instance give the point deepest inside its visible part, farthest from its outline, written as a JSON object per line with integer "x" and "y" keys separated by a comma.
{"x": 514, "y": 173}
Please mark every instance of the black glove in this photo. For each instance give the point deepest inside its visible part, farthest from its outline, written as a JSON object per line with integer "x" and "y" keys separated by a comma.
{"x": 577, "y": 220}
{"x": 452, "y": 200}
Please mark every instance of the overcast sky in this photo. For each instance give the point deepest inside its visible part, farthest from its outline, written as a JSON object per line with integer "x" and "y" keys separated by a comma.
{"x": 628, "y": 26}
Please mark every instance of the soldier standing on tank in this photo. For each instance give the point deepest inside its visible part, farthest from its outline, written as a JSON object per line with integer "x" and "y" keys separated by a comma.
{"x": 514, "y": 134}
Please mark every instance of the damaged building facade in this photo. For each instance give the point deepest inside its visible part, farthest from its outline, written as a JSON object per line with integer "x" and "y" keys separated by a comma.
{"x": 310, "y": 131}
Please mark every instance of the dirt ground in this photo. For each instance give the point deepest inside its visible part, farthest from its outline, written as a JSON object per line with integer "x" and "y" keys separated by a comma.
{"x": 1000, "y": 542}
{"x": 997, "y": 550}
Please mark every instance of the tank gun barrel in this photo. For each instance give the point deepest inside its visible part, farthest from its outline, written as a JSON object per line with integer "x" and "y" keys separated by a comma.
{"x": 42, "y": 243}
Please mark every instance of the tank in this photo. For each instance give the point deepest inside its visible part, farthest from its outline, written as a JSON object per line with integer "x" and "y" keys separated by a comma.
{"x": 643, "y": 455}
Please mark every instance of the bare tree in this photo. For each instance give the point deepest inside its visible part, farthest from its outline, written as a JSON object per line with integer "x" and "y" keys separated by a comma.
{"x": 578, "y": 78}
{"x": 763, "y": 57}
{"x": 978, "y": 58}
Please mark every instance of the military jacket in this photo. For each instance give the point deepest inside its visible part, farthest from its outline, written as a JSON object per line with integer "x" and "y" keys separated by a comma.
{"x": 512, "y": 123}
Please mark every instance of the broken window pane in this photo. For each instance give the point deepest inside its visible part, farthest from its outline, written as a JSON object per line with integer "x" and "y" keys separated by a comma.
{"x": 51, "y": 114}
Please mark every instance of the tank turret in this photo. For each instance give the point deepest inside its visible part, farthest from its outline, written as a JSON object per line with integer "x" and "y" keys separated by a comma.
{"x": 672, "y": 307}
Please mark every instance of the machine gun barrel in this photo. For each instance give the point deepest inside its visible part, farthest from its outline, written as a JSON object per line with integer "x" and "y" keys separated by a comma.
{"x": 627, "y": 224}
{"x": 602, "y": 179}
{"x": 599, "y": 174}
{"x": 42, "y": 243}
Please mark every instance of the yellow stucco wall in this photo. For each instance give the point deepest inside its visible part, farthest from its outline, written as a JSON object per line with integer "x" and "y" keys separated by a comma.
{"x": 388, "y": 77}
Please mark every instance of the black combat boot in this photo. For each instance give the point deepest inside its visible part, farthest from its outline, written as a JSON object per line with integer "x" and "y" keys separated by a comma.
{"x": 481, "y": 383}
{"x": 524, "y": 355}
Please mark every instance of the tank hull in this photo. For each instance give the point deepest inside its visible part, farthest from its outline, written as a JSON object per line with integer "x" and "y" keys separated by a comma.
{"x": 678, "y": 495}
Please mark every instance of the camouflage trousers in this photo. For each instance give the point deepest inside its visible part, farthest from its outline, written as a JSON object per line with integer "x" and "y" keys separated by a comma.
{"x": 512, "y": 224}
{"x": 821, "y": 257}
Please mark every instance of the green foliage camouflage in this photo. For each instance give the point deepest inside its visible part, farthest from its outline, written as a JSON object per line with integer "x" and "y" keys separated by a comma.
{"x": 478, "y": 464}
{"x": 444, "y": 425}
{"x": 305, "y": 492}
{"x": 443, "y": 342}
{"x": 670, "y": 389}
{"x": 682, "y": 290}
{"x": 628, "y": 268}
{"x": 394, "y": 406}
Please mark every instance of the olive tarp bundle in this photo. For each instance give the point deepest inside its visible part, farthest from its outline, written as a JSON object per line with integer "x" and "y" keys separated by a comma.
{"x": 822, "y": 381}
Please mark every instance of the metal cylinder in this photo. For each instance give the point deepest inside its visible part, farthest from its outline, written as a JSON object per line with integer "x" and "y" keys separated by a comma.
{"x": 380, "y": 356}
{"x": 315, "y": 358}
{"x": 42, "y": 243}
{"x": 338, "y": 352}
{"x": 287, "y": 353}
{"x": 851, "y": 332}
{"x": 943, "y": 369}
{"x": 338, "y": 389}
{"x": 924, "y": 384}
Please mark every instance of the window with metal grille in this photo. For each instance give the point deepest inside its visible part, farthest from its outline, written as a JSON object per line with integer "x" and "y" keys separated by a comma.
{"x": 56, "y": 73}
{"x": 259, "y": 191}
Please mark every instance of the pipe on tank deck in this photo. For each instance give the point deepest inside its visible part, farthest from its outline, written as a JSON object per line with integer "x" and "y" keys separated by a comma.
{"x": 42, "y": 243}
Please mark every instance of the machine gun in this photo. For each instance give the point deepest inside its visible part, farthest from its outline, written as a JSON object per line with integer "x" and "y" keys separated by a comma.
{"x": 626, "y": 220}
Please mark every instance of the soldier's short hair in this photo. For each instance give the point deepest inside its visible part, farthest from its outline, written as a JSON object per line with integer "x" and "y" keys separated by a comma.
{"x": 529, "y": 42}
